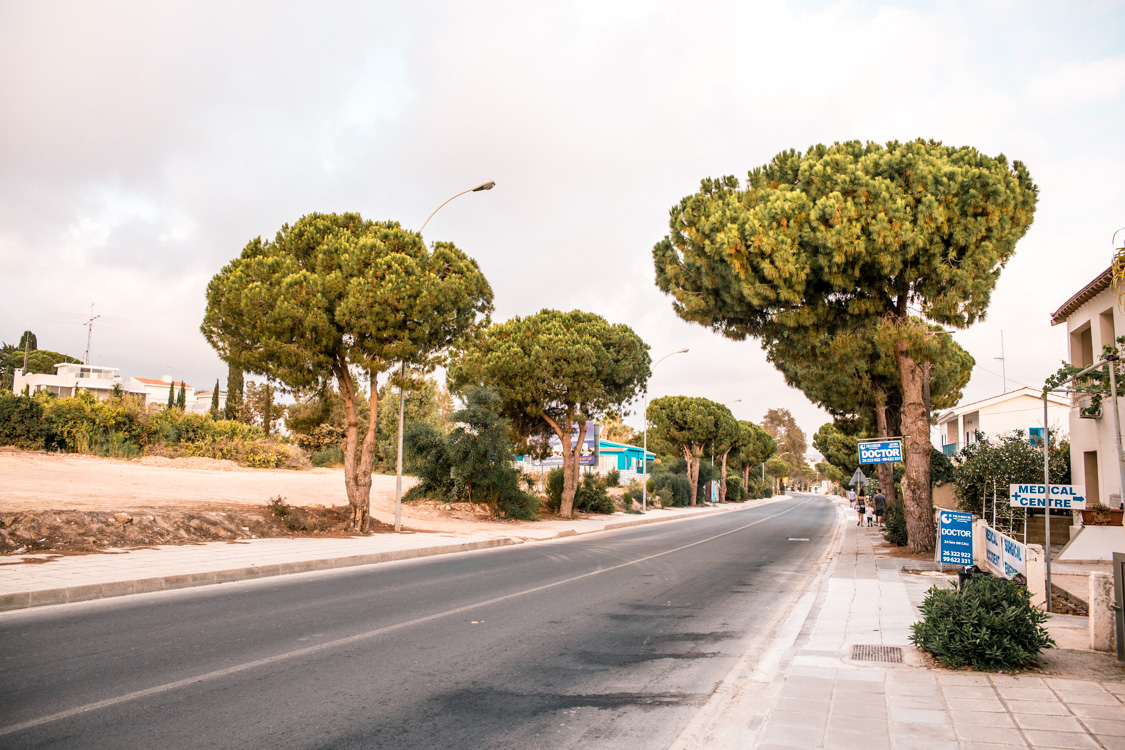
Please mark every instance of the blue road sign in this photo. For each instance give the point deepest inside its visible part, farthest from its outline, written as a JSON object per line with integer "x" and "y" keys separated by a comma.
{"x": 955, "y": 537}
{"x": 882, "y": 452}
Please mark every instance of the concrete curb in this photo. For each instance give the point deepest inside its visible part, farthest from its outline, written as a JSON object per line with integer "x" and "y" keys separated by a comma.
{"x": 89, "y": 592}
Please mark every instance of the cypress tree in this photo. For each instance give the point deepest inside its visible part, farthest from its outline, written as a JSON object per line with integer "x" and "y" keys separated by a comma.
{"x": 215, "y": 401}
{"x": 181, "y": 400}
{"x": 234, "y": 392}
{"x": 171, "y": 395}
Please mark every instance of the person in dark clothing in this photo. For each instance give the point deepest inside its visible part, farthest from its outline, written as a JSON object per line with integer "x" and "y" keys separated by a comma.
{"x": 880, "y": 501}
{"x": 860, "y": 506}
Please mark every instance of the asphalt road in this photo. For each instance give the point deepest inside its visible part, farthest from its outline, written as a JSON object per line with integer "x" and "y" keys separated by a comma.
{"x": 612, "y": 640}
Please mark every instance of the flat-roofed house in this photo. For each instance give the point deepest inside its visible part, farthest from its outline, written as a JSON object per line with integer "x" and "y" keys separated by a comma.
{"x": 71, "y": 379}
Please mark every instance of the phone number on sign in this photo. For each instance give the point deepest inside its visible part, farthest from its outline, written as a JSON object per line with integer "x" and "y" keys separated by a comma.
{"x": 956, "y": 557}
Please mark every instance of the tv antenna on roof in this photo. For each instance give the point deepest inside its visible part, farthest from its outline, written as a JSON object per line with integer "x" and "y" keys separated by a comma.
{"x": 87, "y": 319}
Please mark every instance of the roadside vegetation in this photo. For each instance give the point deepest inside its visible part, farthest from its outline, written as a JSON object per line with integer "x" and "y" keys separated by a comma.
{"x": 988, "y": 625}
{"x": 120, "y": 427}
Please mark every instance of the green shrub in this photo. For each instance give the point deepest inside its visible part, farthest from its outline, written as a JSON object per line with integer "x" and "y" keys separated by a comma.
{"x": 613, "y": 477}
{"x": 473, "y": 462}
{"x": 735, "y": 493}
{"x": 679, "y": 487}
{"x": 21, "y": 422}
{"x": 591, "y": 496}
{"x": 894, "y": 523}
{"x": 330, "y": 456}
{"x": 554, "y": 486}
{"x": 279, "y": 507}
{"x": 988, "y": 625}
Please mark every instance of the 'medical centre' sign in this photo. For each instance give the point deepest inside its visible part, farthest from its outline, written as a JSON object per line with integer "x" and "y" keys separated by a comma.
{"x": 1064, "y": 496}
{"x": 881, "y": 452}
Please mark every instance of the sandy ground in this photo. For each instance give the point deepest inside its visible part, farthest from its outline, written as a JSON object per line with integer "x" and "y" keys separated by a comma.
{"x": 48, "y": 481}
{"x": 60, "y": 481}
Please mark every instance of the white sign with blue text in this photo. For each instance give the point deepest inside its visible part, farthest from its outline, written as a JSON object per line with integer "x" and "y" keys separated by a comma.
{"x": 882, "y": 452}
{"x": 1064, "y": 496}
{"x": 1003, "y": 554}
{"x": 955, "y": 537}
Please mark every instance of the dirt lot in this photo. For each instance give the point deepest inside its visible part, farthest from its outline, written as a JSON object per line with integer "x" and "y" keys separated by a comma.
{"x": 65, "y": 503}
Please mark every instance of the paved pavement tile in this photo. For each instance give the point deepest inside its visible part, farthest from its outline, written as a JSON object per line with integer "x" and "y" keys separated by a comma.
{"x": 999, "y": 735}
{"x": 1038, "y": 707}
{"x": 1094, "y": 697}
{"x": 918, "y": 715}
{"x": 1063, "y": 740}
{"x": 910, "y": 678}
{"x": 968, "y": 691}
{"x": 863, "y": 675}
{"x": 992, "y": 705}
{"x": 863, "y": 687}
{"x": 1048, "y": 722}
{"x": 990, "y": 746}
{"x": 799, "y": 736}
{"x": 778, "y": 746}
{"x": 859, "y": 711}
{"x": 1105, "y": 727}
{"x": 1025, "y": 694}
{"x": 1113, "y": 743}
{"x": 793, "y": 719}
{"x": 916, "y": 701}
{"x": 976, "y": 680}
{"x": 800, "y": 705}
{"x": 981, "y": 719}
{"x": 1088, "y": 711}
{"x": 922, "y": 743}
{"x": 845, "y": 740}
{"x": 874, "y": 725}
{"x": 906, "y": 689}
{"x": 934, "y": 731}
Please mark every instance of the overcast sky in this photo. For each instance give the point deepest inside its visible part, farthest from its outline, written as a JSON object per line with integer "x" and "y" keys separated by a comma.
{"x": 143, "y": 144}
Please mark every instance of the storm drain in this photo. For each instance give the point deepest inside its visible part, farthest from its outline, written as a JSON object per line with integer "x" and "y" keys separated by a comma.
{"x": 883, "y": 654}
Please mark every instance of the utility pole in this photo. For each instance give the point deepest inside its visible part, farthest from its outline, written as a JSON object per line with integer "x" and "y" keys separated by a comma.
{"x": 89, "y": 333}
{"x": 1003, "y": 363}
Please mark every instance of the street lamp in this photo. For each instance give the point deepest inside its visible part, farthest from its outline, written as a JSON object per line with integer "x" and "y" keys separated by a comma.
{"x": 644, "y": 449}
{"x": 487, "y": 185}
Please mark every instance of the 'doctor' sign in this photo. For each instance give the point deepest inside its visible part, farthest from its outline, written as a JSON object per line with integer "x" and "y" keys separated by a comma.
{"x": 955, "y": 537}
{"x": 882, "y": 452}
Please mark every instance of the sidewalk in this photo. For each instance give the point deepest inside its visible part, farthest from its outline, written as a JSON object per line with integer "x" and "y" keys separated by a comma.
{"x": 38, "y": 580}
{"x": 851, "y": 680}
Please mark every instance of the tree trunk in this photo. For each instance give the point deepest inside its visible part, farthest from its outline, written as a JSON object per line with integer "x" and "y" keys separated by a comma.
{"x": 723, "y": 479}
{"x": 917, "y": 503}
{"x": 746, "y": 478}
{"x": 886, "y": 472}
{"x": 693, "y": 472}
{"x": 358, "y": 459}
{"x": 570, "y": 461}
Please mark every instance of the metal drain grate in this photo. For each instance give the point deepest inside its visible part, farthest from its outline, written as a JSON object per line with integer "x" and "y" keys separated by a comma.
{"x": 884, "y": 654}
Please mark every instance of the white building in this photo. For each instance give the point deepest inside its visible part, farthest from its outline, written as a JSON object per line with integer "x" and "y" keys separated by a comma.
{"x": 71, "y": 379}
{"x": 202, "y": 402}
{"x": 1092, "y": 318}
{"x": 1021, "y": 409}
{"x": 156, "y": 391}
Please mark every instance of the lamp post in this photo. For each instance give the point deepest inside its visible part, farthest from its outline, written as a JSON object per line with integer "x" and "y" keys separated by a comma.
{"x": 644, "y": 449}
{"x": 488, "y": 185}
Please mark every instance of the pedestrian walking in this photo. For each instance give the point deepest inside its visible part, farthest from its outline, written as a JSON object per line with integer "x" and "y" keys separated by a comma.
{"x": 880, "y": 503}
{"x": 859, "y": 507}
{"x": 851, "y": 498}
{"x": 869, "y": 514}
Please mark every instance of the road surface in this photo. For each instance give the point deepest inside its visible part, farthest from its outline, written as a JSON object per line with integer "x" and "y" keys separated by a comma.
{"x": 613, "y": 640}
